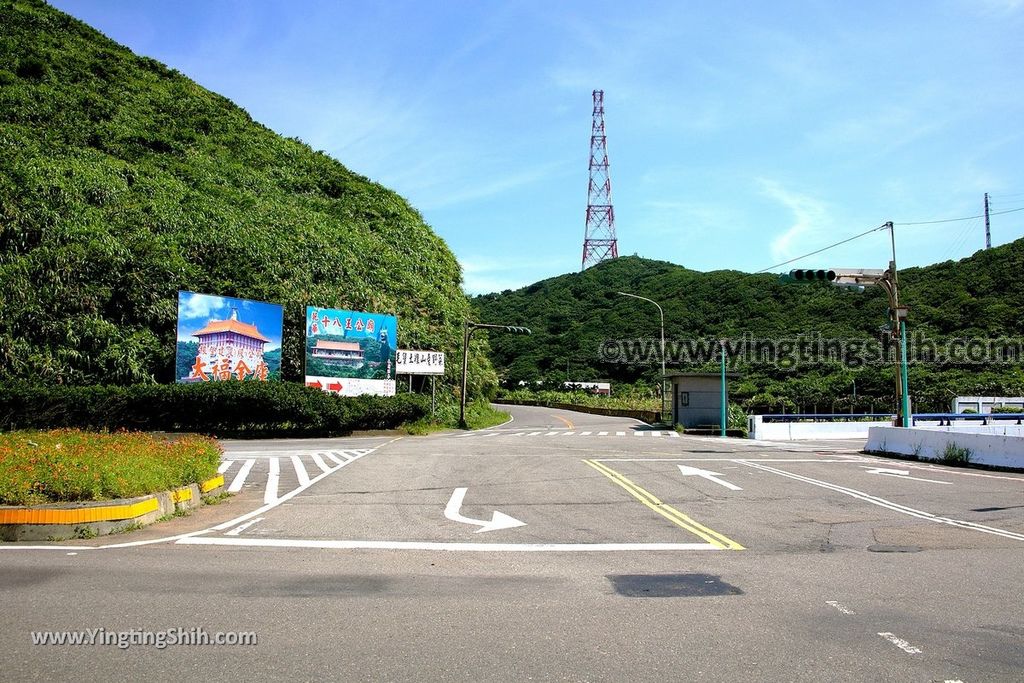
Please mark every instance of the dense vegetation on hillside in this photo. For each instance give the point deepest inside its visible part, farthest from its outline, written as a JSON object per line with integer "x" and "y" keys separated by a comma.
{"x": 573, "y": 315}
{"x": 122, "y": 182}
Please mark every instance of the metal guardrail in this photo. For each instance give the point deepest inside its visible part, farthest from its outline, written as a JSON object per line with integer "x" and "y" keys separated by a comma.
{"x": 944, "y": 419}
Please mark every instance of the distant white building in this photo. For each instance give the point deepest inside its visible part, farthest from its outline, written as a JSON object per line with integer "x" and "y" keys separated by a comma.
{"x": 984, "y": 404}
{"x": 602, "y": 388}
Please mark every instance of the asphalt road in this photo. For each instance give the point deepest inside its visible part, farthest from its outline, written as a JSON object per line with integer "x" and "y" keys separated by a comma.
{"x": 560, "y": 546}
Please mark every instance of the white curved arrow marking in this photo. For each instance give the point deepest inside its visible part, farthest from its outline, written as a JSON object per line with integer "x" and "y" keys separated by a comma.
{"x": 498, "y": 521}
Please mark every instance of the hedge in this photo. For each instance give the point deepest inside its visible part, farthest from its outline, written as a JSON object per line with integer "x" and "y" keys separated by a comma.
{"x": 221, "y": 408}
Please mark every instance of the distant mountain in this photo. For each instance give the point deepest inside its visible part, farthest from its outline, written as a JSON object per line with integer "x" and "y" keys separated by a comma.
{"x": 572, "y": 316}
{"x": 122, "y": 182}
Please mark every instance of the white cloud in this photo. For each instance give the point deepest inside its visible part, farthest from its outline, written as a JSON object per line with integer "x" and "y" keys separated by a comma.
{"x": 200, "y": 306}
{"x": 810, "y": 218}
{"x": 487, "y": 275}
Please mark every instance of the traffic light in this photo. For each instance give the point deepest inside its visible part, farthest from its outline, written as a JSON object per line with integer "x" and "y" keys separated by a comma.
{"x": 517, "y": 330}
{"x": 810, "y": 275}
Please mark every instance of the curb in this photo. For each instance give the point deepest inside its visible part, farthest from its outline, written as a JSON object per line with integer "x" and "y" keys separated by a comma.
{"x": 61, "y": 521}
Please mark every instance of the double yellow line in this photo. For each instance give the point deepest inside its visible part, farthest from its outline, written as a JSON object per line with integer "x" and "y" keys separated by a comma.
{"x": 667, "y": 511}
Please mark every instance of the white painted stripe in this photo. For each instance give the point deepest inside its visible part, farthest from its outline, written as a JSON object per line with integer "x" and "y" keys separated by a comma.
{"x": 224, "y": 466}
{"x": 518, "y": 434}
{"x": 534, "y": 433}
{"x": 568, "y": 433}
{"x": 840, "y": 606}
{"x": 674, "y": 434}
{"x": 586, "y": 433}
{"x": 236, "y": 483}
{"x": 320, "y": 463}
{"x": 620, "y": 433}
{"x": 888, "y": 504}
{"x": 638, "y": 433}
{"x": 300, "y": 471}
{"x": 655, "y": 433}
{"x": 273, "y": 481}
{"x": 602, "y": 433}
{"x": 901, "y": 644}
{"x": 170, "y": 539}
{"x": 242, "y": 527}
{"x": 451, "y": 547}
{"x": 336, "y": 459}
{"x": 552, "y": 433}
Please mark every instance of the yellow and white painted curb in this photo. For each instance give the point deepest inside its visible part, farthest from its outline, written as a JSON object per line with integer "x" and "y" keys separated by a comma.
{"x": 84, "y": 520}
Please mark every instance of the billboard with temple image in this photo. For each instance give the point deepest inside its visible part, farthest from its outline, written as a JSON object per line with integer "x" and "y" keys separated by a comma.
{"x": 227, "y": 339}
{"x": 351, "y": 352}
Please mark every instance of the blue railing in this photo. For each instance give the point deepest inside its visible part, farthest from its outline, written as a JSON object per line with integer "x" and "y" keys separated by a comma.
{"x": 946, "y": 419}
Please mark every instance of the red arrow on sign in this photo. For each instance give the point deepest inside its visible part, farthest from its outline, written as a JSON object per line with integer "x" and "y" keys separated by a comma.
{"x": 315, "y": 385}
{"x": 336, "y": 386}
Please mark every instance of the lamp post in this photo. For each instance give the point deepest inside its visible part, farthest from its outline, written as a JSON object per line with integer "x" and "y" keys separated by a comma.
{"x": 662, "y": 314}
{"x": 468, "y": 328}
{"x": 725, "y": 407}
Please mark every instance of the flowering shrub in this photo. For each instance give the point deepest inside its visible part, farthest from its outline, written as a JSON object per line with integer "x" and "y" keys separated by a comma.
{"x": 71, "y": 465}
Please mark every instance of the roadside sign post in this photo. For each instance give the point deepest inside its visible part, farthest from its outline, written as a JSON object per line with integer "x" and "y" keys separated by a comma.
{"x": 430, "y": 363}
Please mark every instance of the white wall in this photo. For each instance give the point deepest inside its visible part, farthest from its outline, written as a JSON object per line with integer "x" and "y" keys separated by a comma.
{"x": 794, "y": 431}
{"x": 1000, "y": 445}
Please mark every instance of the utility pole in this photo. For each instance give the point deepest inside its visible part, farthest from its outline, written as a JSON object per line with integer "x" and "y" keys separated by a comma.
{"x": 857, "y": 279}
{"x": 988, "y": 233}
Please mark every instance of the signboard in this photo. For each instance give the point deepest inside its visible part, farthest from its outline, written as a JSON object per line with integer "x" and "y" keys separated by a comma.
{"x": 221, "y": 339}
{"x": 350, "y": 353}
{"x": 420, "y": 362}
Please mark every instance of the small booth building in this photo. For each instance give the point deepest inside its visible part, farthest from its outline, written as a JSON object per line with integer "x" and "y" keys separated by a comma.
{"x": 697, "y": 399}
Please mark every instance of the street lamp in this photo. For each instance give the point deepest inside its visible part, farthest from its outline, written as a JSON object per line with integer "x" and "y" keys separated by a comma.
{"x": 468, "y": 329}
{"x": 662, "y": 313}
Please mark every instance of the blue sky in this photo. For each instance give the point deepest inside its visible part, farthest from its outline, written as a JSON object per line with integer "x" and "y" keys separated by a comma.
{"x": 739, "y": 134}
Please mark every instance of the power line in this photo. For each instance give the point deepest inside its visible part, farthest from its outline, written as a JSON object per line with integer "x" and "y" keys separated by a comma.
{"x": 965, "y": 218}
{"x": 884, "y": 226}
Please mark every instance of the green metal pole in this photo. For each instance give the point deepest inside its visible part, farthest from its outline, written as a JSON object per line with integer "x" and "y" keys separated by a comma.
{"x": 724, "y": 406}
{"x": 903, "y": 373}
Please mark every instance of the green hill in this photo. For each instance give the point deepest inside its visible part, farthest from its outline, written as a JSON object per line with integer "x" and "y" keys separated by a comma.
{"x": 573, "y": 315}
{"x": 122, "y": 182}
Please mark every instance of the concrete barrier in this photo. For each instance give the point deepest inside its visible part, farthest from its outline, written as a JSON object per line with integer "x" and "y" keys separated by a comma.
{"x": 997, "y": 445}
{"x": 795, "y": 431}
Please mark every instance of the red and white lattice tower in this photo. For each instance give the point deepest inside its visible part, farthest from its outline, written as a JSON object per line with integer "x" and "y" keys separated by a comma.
{"x": 599, "y": 242}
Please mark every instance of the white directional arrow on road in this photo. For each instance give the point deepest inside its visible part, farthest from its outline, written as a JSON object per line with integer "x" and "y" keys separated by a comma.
{"x": 710, "y": 476}
{"x": 900, "y": 474}
{"x": 499, "y": 520}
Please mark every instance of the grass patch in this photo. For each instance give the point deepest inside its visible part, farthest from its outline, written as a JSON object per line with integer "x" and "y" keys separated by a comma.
{"x": 72, "y": 465}
{"x": 479, "y": 415}
{"x": 216, "y": 499}
{"x": 955, "y": 455}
